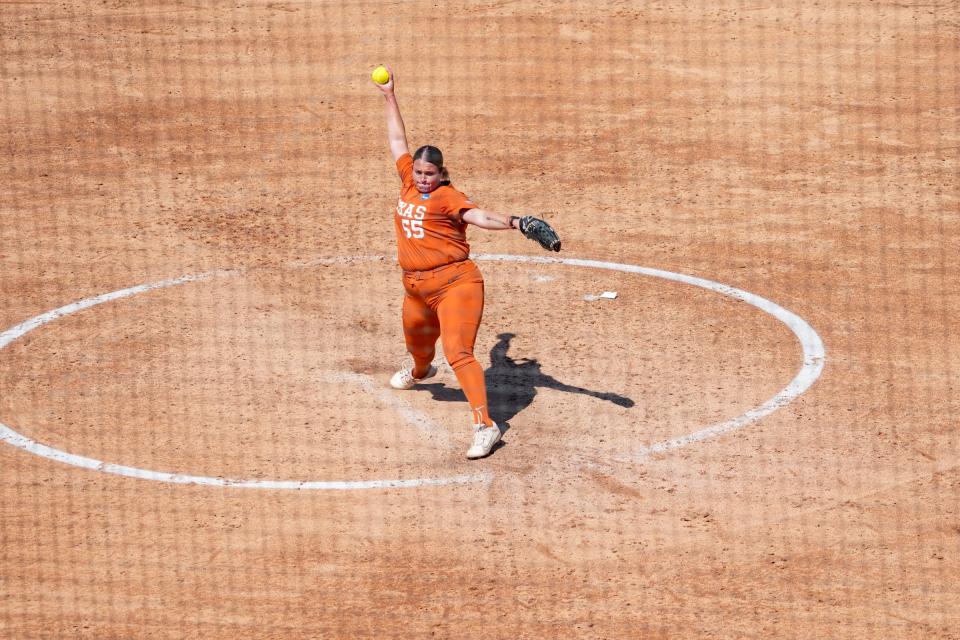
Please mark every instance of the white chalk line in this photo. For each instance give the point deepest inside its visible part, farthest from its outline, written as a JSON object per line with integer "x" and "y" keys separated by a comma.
{"x": 813, "y": 360}
{"x": 26, "y": 326}
{"x": 12, "y": 437}
{"x": 420, "y": 421}
{"x": 813, "y": 349}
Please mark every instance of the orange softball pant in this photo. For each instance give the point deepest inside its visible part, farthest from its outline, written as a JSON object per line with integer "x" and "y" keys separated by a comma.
{"x": 447, "y": 303}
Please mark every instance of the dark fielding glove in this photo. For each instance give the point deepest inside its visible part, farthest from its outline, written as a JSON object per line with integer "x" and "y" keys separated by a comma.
{"x": 539, "y": 230}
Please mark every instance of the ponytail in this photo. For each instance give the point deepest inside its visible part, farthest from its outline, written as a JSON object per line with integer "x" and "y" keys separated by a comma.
{"x": 435, "y": 157}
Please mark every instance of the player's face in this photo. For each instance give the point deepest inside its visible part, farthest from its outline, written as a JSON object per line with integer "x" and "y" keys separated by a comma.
{"x": 426, "y": 175}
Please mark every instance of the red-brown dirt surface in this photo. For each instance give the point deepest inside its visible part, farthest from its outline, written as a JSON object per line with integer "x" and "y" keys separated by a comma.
{"x": 806, "y": 152}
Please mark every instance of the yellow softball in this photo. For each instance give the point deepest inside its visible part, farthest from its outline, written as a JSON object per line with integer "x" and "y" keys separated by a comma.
{"x": 380, "y": 75}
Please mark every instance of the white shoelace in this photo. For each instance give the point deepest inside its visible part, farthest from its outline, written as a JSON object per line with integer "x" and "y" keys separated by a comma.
{"x": 482, "y": 435}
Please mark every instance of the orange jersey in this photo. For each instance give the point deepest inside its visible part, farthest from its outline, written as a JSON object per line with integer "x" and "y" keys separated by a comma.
{"x": 430, "y": 231}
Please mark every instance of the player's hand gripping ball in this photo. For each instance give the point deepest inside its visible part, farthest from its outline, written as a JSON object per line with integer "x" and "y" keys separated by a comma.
{"x": 380, "y": 75}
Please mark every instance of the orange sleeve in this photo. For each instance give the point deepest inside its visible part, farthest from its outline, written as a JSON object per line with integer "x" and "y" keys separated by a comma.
{"x": 405, "y": 169}
{"x": 456, "y": 203}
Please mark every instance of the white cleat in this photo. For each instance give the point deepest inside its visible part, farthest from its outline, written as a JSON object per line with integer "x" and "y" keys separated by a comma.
{"x": 483, "y": 440}
{"x": 404, "y": 379}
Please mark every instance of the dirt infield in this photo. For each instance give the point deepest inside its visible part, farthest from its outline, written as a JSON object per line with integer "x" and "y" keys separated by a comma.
{"x": 803, "y": 152}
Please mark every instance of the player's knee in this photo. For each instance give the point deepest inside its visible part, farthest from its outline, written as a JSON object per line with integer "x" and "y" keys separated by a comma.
{"x": 460, "y": 358}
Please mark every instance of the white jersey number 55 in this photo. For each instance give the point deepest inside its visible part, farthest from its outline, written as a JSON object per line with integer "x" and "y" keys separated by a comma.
{"x": 413, "y": 228}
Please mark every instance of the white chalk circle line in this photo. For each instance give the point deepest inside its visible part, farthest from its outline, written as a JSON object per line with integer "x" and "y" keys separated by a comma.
{"x": 813, "y": 358}
{"x": 813, "y": 349}
{"x": 18, "y": 440}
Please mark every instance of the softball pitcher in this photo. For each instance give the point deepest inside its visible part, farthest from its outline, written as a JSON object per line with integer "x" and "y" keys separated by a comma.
{"x": 443, "y": 288}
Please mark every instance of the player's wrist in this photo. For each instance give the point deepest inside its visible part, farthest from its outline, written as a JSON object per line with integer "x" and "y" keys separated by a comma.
{"x": 514, "y": 222}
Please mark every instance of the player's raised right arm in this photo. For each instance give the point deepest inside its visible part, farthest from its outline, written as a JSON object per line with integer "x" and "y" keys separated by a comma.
{"x": 396, "y": 133}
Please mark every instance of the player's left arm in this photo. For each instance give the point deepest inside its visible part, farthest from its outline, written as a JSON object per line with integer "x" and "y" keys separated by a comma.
{"x": 490, "y": 219}
{"x": 533, "y": 228}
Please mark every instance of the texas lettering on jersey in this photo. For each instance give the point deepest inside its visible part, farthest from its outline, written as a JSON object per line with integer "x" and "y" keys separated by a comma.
{"x": 412, "y": 216}
{"x": 430, "y": 231}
